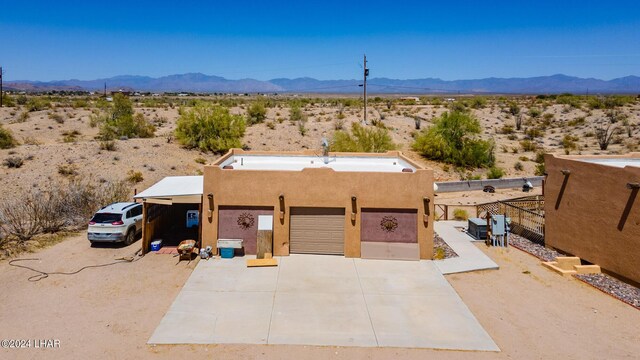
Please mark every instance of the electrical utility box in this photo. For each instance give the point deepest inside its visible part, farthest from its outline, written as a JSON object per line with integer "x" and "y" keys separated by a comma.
{"x": 477, "y": 228}
{"x": 498, "y": 226}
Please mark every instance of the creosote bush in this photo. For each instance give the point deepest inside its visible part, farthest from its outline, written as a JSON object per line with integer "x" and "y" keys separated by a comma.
{"x": 362, "y": 139}
{"x": 257, "y": 113}
{"x": 7, "y": 141}
{"x": 460, "y": 214}
{"x": 495, "y": 173}
{"x": 210, "y": 128}
{"x": 119, "y": 120}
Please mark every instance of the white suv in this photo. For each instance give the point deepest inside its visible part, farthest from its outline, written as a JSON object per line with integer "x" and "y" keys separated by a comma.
{"x": 118, "y": 222}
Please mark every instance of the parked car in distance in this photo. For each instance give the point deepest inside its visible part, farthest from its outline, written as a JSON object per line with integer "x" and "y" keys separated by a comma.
{"x": 118, "y": 222}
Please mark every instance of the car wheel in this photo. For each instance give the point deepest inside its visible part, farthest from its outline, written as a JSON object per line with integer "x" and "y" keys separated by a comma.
{"x": 131, "y": 236}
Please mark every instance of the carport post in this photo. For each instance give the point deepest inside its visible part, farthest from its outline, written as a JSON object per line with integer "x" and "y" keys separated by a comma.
{"x": 145, "y": 245}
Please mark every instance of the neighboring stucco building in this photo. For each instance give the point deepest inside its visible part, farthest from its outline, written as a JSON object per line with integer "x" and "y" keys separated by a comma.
{"x": 592, "y": 210}
{"x": 356, "y": 205}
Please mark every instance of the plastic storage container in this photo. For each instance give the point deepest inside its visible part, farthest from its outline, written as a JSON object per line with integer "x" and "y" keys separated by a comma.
{"x": 226, "y": 253}
{"x": 156, "y": 245}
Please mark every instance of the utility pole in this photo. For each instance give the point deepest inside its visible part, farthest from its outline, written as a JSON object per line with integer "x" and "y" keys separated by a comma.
{"x": 1, "y": 94}
{"x": 366, "y": 73}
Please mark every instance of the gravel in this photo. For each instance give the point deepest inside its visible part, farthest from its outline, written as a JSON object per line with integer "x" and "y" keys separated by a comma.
{"x": 610, "y": 285}
{"x": 439, "y": 243}
{"x": 614, "y": 287}
{"x": 532, "y": 248}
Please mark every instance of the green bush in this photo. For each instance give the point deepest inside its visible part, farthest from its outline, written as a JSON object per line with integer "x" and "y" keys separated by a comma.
{"x": 362, "y": 139}
{"x": 460, "y": 214}
{"x": 210, "y": 128}
{"x": 495, "y": 173}
{"x": 120, "y": 121}
{"x": 453, "y": 139}
{"x": 7, "y": 141}
{"x": 257, "y": 113}
{"x": 8, "y": 101}
{"x": 540, "y": 170}
{"x": 528, "y": 145}
{"x": 37, "y": 104}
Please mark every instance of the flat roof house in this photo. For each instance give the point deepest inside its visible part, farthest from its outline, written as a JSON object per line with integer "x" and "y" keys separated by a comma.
{"x": 351, "y": 204}
{"x": 592, "y": 210}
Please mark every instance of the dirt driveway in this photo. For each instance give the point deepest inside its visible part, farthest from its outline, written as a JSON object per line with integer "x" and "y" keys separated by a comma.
{"x": 111, "y": 312}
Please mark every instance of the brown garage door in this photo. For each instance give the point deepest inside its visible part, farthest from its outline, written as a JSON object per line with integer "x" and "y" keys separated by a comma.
{"x": 317, "y": 231}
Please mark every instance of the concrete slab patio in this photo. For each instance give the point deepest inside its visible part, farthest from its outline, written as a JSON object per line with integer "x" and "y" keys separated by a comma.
{"x": 470, "y": 258}
{"x": 322, "y": 300}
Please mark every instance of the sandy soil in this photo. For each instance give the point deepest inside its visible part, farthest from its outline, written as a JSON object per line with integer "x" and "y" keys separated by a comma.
{"x": 43, "y": 140}
{"x": 111, "y": 312}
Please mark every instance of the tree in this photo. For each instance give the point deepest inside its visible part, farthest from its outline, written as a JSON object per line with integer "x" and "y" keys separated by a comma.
{"x": 210, "y": 128}
{"x": 362, "y": 139}
{"x": 453, "y": 139}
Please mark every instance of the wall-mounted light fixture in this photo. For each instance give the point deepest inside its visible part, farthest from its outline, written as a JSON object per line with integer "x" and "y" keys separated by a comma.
{"x": 565, "y": 172}
{"x": 632, "y": 186}
{"x": 427, "y": 210}
{"x": 354, "y": 207}
{"x": 281, "y": 199}
{"x": 210, "y": 211}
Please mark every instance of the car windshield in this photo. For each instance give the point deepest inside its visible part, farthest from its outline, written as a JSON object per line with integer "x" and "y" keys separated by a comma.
{"x": 106, "y": 218}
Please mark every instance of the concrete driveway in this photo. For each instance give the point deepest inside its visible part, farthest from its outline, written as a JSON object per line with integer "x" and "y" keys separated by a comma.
{"x": 322, "y": 300}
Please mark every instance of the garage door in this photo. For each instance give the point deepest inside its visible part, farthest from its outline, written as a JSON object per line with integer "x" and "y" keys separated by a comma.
{"x": 317, "y": 231}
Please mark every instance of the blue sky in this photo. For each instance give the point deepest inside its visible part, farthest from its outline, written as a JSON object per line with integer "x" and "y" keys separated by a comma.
{"x": 53, "y": 40}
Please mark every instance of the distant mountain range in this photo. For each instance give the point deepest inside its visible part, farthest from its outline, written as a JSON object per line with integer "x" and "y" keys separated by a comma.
{"x": 197, "y": 82}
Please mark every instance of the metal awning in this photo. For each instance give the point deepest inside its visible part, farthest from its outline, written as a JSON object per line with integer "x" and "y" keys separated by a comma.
{"x": 174, "y": 190}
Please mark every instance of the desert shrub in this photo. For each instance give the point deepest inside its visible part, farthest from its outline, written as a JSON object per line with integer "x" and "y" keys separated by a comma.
{"x": 30, "y": 140}
{"x": 569, "y": 99}
{"x": 200, "y": 160}
{"x": 257, "y": 113}
{"x": 569, "y": 142}
{"x": 69, "y": 170}
{"x": 8, "y": 100}
{"x": 577, "y": 121}
{"x": 271, "y": 125}
{"x": 518, "y": 166}
{"x": 453, "y": 139}
{"x": 528, "y": 145}
{"x": 23, "y": 117}
{"x": 540, "y": 170}
{"x": 534, "y": 112}
{"x": 478, "y": 102}
{"x": 134, "y": 177}
{"x": 121, "y": 121}
{"x": 512, "y": 137}
{"x": 495, "y": 173}
{"x": 22, "y": 100}
{"x": 7, "y": 141}
{"x": 604, "y": 135}
{"x": 70, "y": 136}
{"x": 296, "y": 114}
{"x": 523, "y": 158}
{"x": 362, "y": 139}
{"x": 13, "y": 162}
{"x": 513, "y": 108}
{"x": 210, "y": 128}
{"x": 37, "y": 104}
{"x": 302, "y": 128}
{"x": 108, "y": 145}
{"x": 507, "y": 129}
{"x": 460, "y": 214}
{"x": 534, "y": 132}
{"x": 56, "y": 206}
{"x": 56, "y": 117}
{"x": 338, "y": 124}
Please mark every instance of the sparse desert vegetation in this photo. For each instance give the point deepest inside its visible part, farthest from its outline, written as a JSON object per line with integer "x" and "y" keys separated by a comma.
{"x": 68, "y": 136}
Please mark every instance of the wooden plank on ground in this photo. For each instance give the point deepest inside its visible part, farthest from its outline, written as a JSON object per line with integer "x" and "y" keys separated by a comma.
{"x": 265, "y": 243}
{"x": 261, "y": 262}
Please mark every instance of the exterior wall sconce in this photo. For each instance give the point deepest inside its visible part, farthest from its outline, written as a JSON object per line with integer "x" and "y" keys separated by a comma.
{"x": 210, "y": 211}
{"x": 354, "y": 208}
{"x": 633, "y": 186}
{"x": 565, "y": 172}
{"x": 281, "y": 199}
{"x": 427, "y": 209}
